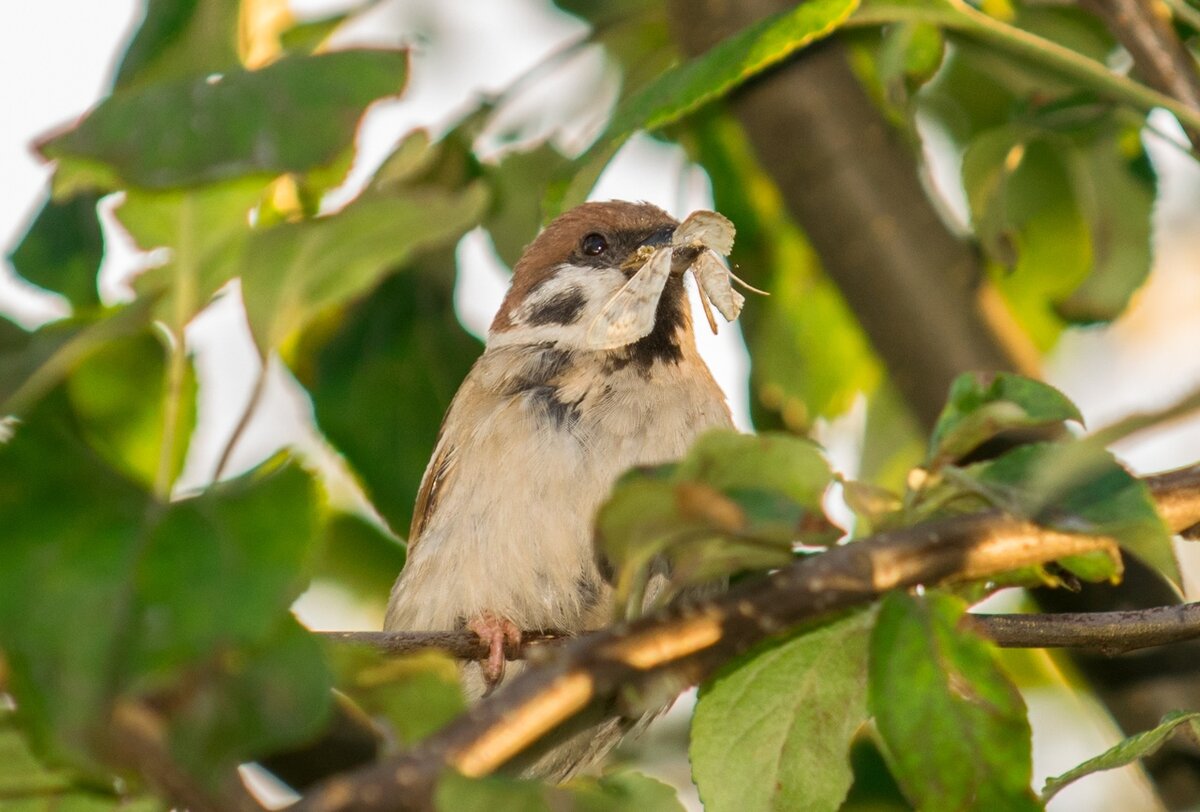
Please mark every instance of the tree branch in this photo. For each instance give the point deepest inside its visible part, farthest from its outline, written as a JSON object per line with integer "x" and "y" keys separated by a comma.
{"x": 688, "y": 643}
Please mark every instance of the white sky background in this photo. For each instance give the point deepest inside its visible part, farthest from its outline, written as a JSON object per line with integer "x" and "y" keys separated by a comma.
{"x": 57, "y": 56}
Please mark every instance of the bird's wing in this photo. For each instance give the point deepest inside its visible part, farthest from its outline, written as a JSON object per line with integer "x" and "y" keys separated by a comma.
{"x": 437, "y": 474}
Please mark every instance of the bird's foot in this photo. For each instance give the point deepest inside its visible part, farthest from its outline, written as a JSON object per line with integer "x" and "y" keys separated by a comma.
{"x": 494, "y": 632}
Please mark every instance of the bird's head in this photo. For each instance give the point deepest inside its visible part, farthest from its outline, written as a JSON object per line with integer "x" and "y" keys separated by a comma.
{"x": 575, "y": 267}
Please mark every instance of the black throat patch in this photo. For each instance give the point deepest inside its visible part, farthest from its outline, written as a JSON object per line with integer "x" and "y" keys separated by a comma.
{"x": 663, "y": 342}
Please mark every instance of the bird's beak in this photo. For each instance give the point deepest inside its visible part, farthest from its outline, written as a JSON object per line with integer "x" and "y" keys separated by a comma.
{"x": 659, "y": 238}
{"x": 647, "y": 247}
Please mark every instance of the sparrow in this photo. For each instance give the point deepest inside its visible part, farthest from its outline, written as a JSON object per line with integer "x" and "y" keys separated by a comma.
{"x": 590, "y": 368}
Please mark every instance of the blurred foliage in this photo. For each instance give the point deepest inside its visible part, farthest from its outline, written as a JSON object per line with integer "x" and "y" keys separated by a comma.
{"x": 221, "y": 142}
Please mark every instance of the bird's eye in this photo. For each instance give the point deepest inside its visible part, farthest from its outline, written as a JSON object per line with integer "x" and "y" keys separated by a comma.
{"x": 594, "y": 244}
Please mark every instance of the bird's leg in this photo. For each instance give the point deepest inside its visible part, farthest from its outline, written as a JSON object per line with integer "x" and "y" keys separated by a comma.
{"x": 494, "y": 632}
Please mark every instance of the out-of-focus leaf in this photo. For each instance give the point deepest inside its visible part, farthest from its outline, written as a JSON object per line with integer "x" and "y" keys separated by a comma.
{"x": 1115, "y": 185}
{"x": 222, "y": 568}
{"x": 519, "y": 184}
{"x": 693, "y": 84}
{"x": 181, "y": 38}
{"x": 954, "y": 727}
{"x": 809, "y": 356}
{"x": 909, "y": 56}
{"x": 106, "y": 590}
{"x": 31, "y": 364}
{"x": 980, "y": 406}
{"x": 382, "y": 374}
{"x": 28, "y": 785}
{"x": 306, "y": 37}
{"x": 291, "y": 116}
{"x": 616, "y": 792}
{"x": 1080, "y": 488}
{"x": 735, "y": 502}
{"x": 772, "y": 731}
{"x": 294, "y": 271}
{"x": 1127, "y": 751}
{"x": 252, "y": 700}
{"x": 1028, "y": 220}
{"x": 204, "y": 229}
{"x": 413, "y": 695}
{"x": 360, "y": 556}
{"x": 120, "y": 396}
{"x": 62, "y": 249}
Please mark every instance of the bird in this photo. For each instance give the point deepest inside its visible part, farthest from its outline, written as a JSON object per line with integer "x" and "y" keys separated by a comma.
{"x": 587, "y": 371}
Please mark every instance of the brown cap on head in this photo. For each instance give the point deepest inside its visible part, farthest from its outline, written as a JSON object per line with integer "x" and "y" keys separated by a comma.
{"x": 621, "y": 225}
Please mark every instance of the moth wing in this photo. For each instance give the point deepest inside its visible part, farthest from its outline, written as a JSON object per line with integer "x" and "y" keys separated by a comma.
{"x": 706, "y": 229}
{"x": 713, "y": 279}
{"x": 629, "y": 314}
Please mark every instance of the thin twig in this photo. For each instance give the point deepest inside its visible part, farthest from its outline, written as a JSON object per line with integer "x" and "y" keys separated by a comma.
{"x": 462, "y": 644}
{"x": 1108, "y": 632}
{"x": 260, "y": 385}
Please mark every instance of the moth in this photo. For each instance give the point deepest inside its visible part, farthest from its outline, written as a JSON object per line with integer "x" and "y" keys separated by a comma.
{"x": 629, "y": 314}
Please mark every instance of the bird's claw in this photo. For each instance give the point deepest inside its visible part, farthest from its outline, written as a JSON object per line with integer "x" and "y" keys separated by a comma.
{"x": 494, "y": 632}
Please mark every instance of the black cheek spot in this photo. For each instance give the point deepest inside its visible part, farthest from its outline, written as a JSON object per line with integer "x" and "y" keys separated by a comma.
{"x": 562, "y": 308}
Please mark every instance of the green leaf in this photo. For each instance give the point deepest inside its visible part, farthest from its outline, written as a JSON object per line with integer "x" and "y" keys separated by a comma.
{"x": 223, "y": 568}
{"x": 205, "y": 230}
{"x": 1080, "y": 488}
{"x": 360, "y": 556}
{"x": 772, "y": 731}
{"x": 292, "y": 272}
{"x": 28, "y": 785}
{"x": 414, "y": 695}
{"x": 251, "y": 701}
{"x": 119, "y": 395}
{"x": 109, "y": 592}
{"x": 181, "y": 38}
{"x": 953, "y": 726}
{"x": 615, "y": 792}
{"x": 980, "y": 406}
{"x": 62, "y": 249}
{"x": 1115, "y": 186}
{"x": 519, "y": 184}
{"x": 735, "y": 502}
{"x": 382, "y": 374}
{"x": 693, "y": 84}
{"x": 1127, "y": 751}
{"x": 909, "y": 56}
{"x": 728, "y": 64}
{"x": 32, "y": 364}
{"x": 293, "y": 115}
